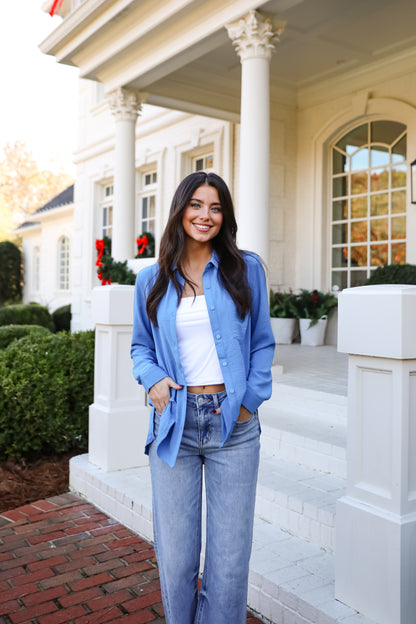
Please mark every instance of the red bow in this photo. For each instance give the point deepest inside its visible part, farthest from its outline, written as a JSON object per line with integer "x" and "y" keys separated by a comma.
{"x": 142, "y": 243}
{"x": 99, "y": 245}
{"x": 56, "y": 5}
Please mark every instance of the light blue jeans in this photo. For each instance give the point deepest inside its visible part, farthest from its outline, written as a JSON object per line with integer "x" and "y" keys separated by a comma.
{"x": 230, "y": 480}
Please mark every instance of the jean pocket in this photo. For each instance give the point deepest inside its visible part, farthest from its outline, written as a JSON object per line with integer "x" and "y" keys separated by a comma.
{"x": 241, "y": 423}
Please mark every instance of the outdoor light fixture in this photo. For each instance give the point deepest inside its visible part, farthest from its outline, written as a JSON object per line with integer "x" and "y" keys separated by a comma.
{"x": 413, "y": 181}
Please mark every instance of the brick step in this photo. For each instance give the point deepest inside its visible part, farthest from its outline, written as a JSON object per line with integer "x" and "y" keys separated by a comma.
{"x": 304, "y": 438}
{"x": 291, "y": 580}
{"x": 300, "y": 500}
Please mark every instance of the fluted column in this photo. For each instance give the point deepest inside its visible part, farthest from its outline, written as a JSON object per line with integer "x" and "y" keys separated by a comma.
{"x": 125, "y": 105}
{"x": 253, "y": 38}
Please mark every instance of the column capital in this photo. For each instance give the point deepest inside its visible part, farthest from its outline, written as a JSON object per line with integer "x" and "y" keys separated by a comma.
{"x": 126, "y": 104}
{"x": 254, "y": 35}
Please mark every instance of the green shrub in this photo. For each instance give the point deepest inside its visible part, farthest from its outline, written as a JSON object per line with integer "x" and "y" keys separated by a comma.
{"x": 30, "y": 314}
{"x": 393, "y": 274}
{"x": 283, "y": 304}
{"x": 62, "y": 318}
{"x": 10, "y": 273}
{"x": 47, "y": 386}
{"x": 8, "y": 333}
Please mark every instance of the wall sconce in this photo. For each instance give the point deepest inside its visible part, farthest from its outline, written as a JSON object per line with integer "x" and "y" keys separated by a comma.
{"x": 413, "y": 182}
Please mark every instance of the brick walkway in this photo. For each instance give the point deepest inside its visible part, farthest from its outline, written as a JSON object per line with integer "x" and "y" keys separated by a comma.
{"x": 64, "y": 561}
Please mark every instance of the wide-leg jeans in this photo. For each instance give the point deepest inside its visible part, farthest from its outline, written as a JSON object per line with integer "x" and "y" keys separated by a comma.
{"x": 230, "y": 475}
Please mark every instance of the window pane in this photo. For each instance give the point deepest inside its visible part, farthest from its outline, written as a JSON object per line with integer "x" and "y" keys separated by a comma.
{"x": 399, "y": 151}
{"x": 359, "y": 183}
{"x": 199, "y": 164}
{"x": 379, "y": 254}
{"x": 398, "y": 227}
{"x": 398, "y": 202}
{"x": 359, "y": 255}
{"x": 152, "y": 201}
{"x": 339, "y": 210}
{"x": 339, "y": 186}
{"x": 380, "y": 156}
{"x": 398, "y": 176}
{"x": 358, "y": 278}
{"x": 355, "y": 138}
{"x": 359, "y": 160}
{"x": 398, "y": 253}
{"x": 359, "y": 231}
{"x": 209, "y": 162}
{"x": 386, "y": 131}
{"x": 379, "y": 204}
{"x": 379, "y": 229}
{"x": 340, "y": 279}
{"x": 145, "y": 201}
{"x": 339, "y": 162}
{"x": 358, "y": 207}
{"x": 339, "y": 256}
{"x": 339, "y": 233}
{"x": 379, "y": 180}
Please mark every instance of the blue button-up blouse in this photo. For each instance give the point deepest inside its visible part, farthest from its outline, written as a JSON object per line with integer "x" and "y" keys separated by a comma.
{"x": 245, "y": 349}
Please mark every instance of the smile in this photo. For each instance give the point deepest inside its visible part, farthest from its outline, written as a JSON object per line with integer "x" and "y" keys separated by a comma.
{"x": 202, "y": 228}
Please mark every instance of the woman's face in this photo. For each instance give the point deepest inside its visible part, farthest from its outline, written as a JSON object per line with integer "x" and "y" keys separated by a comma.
{"x": 202, "y": 218}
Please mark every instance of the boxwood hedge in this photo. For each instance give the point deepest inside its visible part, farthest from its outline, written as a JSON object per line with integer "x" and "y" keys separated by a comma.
{"x": 8, "y": 333}
{"x": 47, "y": 386}
{"x": 30, "y": 314}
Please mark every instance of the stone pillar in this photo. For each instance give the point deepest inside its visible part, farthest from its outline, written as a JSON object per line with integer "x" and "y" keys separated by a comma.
{"x": 118, "y": 418}
{"x": 376, "y": 520}
{"x": 125, "y": 105}
{"x": 253, "y": 37}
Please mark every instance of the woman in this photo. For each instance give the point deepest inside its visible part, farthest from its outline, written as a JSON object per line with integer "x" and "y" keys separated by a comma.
{"x": 202, "y": 347}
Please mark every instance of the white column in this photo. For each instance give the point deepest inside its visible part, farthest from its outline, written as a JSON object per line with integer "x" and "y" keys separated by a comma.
{"x": 125, "y": 106}
{"x": 376, "y": 520}
{"x": 253, "y": 37}
{"x": 118, "y": 418}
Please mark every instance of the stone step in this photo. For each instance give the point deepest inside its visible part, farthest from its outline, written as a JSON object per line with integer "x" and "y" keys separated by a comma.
{"x": 299, "y": 500}
{"x": 325, "y": 406}
{"x": 304, "y": 438}
{"x": 291, "y": 580}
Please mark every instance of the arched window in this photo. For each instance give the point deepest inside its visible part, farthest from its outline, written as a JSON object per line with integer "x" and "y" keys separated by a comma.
{"x": 63, "y": 263}
{"x": 368, "y": 224}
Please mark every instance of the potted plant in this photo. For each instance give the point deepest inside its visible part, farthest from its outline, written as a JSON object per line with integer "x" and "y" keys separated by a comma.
{"x": 283, "y": 316}
{"x": 314, "y": 309}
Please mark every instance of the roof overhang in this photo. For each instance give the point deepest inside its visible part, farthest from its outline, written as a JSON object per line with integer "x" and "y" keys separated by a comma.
{"x": 179, "y": 53}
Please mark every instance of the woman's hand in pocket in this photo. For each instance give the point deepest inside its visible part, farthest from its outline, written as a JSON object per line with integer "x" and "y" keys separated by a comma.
{"x": 244, "y": 414}
{"x": 159, "y": 393}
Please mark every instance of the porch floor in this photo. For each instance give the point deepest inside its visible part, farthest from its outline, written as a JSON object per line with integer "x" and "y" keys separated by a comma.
{"x": 314, "y": 368}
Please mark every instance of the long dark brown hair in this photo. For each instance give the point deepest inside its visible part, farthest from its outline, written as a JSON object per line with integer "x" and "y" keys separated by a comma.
{"x": 232, "y": 268}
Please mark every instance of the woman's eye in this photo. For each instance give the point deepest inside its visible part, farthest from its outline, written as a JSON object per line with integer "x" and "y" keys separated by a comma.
{"x": 195, "y": 206}
{"x": 216, "y": 209}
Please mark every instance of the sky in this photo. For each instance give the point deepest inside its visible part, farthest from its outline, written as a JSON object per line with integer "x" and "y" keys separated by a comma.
{"x": 39, "y": 97}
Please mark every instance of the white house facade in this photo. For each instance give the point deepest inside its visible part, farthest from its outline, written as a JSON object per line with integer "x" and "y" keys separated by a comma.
{"x": 307, "y": 109}
{"x": 46, "y": 246}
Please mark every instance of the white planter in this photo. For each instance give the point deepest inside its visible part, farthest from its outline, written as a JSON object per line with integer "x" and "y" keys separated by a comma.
{"x": 284, "y": 329}
{"x": 312, "y": 336}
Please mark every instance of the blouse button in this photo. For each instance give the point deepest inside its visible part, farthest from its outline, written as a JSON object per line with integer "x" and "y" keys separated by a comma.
{"x": 218, "y": 336}
{"x": 224, "y": 363}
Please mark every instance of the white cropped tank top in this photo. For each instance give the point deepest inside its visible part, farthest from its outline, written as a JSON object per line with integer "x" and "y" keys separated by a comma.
{"x": 197, "y": 351}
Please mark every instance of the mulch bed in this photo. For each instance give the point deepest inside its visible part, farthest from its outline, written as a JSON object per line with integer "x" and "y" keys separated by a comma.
{"x": 24, "y": 483}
